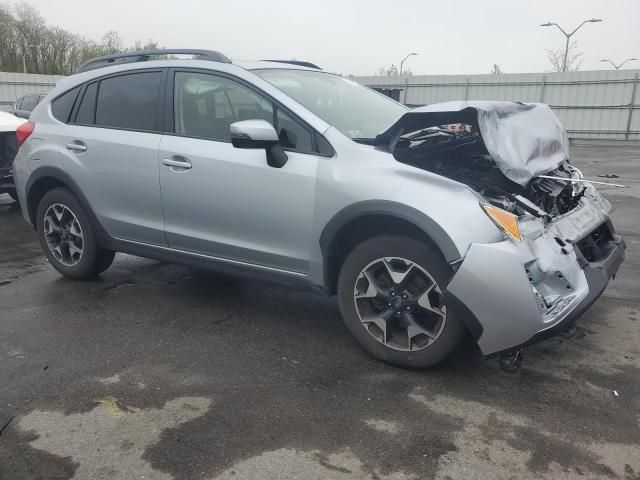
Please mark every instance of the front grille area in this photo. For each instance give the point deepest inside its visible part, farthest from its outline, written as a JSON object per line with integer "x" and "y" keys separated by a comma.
{"x": 598, "y": 244}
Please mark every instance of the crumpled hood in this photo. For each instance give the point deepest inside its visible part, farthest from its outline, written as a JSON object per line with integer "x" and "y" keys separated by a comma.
{"x": 524, "y": 139}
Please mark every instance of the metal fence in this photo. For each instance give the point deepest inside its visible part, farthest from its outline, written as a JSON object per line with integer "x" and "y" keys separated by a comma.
{"x": 601, "y": 104}
{"x": 15, "y": 85}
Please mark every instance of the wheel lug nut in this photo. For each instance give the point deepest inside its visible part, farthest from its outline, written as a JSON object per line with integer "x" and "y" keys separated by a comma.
{"x": 408, "y": 308}
{"x": 404, "y": 295}
{"x": 389, "y": 304}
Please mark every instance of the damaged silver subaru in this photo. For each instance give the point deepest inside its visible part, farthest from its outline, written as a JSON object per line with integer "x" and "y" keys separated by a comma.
{"x": 454, "y": 219}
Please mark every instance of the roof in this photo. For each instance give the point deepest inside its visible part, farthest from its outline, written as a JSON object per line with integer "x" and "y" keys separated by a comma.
{"x": 9, "y": 123}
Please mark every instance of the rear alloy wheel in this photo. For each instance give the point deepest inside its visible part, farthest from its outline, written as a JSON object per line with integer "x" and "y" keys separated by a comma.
{"x": 67, "y": 237}
{"x": 390, "y": 292}
{"x": 63, "y": 235}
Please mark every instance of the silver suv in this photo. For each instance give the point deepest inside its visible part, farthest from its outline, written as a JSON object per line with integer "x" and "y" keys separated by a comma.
{"x": 462, "y": 218}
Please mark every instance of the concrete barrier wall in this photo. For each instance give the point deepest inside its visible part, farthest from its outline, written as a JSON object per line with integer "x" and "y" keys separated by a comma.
{"x": 15, "y": 85}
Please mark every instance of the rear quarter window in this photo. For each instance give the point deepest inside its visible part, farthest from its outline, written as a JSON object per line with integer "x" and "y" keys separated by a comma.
{"x": 61, "y": 107}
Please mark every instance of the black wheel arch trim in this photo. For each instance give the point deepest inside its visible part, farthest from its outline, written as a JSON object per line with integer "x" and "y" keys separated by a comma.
{"x": 466, "y": 316}
{"x": 103, "y": 238}
{"x": 394, "y": 209}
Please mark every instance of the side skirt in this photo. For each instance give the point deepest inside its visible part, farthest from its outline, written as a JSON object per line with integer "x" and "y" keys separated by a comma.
{"x": 250, "y": 271}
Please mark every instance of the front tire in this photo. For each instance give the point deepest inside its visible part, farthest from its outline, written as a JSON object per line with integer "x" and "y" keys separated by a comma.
{"x": 67, "y": 237}
{"x": 390, "y": 295}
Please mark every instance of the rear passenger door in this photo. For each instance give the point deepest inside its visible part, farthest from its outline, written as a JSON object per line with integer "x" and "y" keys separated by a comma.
{"x": 111, "y": 150}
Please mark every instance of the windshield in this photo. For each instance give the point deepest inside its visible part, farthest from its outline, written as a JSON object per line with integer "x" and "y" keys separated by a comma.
{"x": 356, "y": 111}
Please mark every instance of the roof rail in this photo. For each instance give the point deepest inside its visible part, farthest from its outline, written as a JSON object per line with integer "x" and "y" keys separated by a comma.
{"x": 300, "y": 63}
{"x": 143, "y": 56}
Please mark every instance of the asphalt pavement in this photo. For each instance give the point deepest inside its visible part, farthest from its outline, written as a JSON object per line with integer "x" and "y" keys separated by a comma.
{"x": 157, "y": 371}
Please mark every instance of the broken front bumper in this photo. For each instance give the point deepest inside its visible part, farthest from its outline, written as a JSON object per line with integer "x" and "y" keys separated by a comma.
{"x": 510, "y": 294}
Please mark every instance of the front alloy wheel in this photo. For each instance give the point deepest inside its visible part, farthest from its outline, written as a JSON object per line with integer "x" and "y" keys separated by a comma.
{"x": 390, "y": 291}
{"x": 399, "y": 303}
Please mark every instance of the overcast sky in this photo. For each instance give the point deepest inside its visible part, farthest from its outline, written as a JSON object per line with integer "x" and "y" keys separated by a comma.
{"x": 359, "y": 36}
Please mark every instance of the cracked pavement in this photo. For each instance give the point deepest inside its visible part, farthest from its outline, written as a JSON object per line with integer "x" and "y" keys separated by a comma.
{"x": 157, "y": 371}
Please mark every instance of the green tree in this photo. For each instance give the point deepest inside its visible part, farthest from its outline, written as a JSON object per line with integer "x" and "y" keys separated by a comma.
{"x": 28, "y": 44}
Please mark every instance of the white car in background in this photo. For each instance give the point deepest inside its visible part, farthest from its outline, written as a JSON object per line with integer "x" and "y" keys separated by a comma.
{"x": 8, "y": 149}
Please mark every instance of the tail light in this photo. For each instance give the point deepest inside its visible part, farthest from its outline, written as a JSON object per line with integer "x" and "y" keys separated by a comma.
{"x": 23, "y": 132}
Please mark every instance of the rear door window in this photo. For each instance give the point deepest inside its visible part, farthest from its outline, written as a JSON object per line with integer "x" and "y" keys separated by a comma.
{"x": 129, "y": 101}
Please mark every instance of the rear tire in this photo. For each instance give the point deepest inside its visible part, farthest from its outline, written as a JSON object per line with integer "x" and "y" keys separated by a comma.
{"x": 67, "y": 237}
{"x": 389, "y": 291}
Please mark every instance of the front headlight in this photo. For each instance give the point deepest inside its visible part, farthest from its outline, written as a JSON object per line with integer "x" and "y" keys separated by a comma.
{"x": 506, "y": 221}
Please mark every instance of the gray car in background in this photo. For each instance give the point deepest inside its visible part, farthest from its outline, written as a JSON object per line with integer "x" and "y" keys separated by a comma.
{"x": 25, "y": 105}
{"x": 463, "y": 218}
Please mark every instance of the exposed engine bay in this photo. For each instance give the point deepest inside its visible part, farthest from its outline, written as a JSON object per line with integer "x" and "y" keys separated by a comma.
{"x": 457, "y": 151}
{"x": 503, "y": 150}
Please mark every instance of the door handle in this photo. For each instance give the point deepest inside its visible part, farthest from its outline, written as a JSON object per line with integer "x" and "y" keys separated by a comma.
{"x": 76, "y": 147}
{"x": 183, "y": 164}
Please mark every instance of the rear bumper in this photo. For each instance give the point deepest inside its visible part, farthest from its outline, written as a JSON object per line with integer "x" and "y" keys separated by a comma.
{"x": 512, "y": 294}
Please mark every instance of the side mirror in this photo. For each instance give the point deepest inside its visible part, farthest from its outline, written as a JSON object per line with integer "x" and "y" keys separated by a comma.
{"x": 259, "y": 134}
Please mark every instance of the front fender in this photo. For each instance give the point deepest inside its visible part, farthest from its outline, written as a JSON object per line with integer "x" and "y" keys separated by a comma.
{"x": 393, "y": 209}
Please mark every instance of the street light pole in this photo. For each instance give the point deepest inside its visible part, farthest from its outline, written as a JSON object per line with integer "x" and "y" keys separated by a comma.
{"x": 617, "y": 67}
{"x": 404, "y": 59}
{"x": 568, "y": 36}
